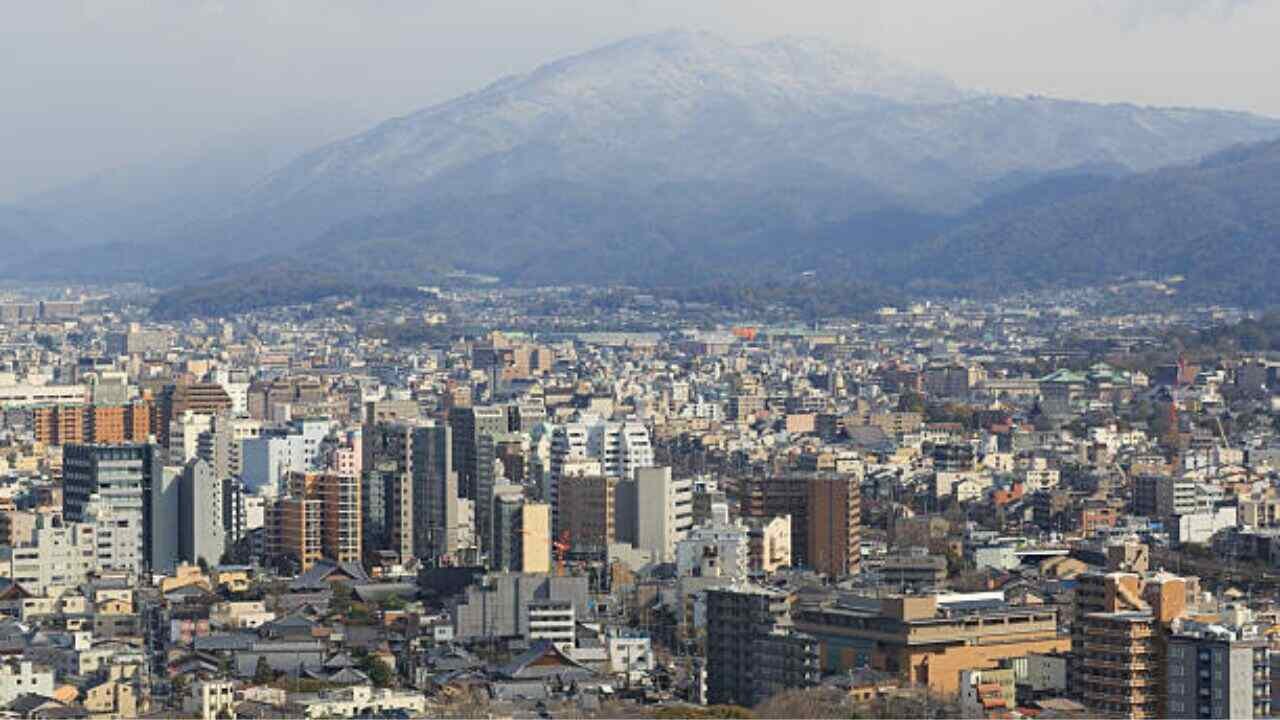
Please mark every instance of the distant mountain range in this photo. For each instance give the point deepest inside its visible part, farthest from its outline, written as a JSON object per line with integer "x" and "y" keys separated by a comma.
{"x": 682, "y": 159}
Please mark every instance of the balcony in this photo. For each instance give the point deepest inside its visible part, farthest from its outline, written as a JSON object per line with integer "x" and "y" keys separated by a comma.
{"x": 1122, "y": 681}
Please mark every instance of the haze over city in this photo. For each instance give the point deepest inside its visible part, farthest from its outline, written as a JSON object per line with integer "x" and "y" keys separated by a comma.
{"x": 640, "y": 359}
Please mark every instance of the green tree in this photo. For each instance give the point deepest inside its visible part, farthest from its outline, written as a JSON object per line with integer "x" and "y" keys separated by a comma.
{"x": 379, "y": 674}
{"x": 262, "y": 673}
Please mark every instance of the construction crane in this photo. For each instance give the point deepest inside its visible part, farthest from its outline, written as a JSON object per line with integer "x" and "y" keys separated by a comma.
{"x": 560, "y": 546}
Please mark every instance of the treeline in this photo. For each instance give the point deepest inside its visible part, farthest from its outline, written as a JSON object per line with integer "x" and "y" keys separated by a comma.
{"x": 1250, "y": 335}
{"x": 263, "y": 290}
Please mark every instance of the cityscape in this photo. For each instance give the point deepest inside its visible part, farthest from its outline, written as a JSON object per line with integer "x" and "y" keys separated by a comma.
{"x": 676, "y": 376}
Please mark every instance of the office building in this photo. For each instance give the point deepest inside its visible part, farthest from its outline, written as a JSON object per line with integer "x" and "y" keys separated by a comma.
{"x": 198, "y": 398}
{"x": 468, "y": 425}
{"x": 1119, "y": 651}
{"x": 420, "y": 453}
{"x": 586, "y": 509}
{"x": 222, "y": 446}
{"x": 926, "y": 640}
{"x": 273, "y": 454}
{"x": 498, "y": 606}
{"x": 386, "y": 507}
{"x": 825, "y": 511}
{"x": 1164, "y": 496}
{"x": 64, "y": 555}
{"x": 554, "y": 621}
{"x": 127, "y": 479}
{"x": 769, "y": 543}
{"x": 93, "y": 424}
{"x": 718, "y": 549}
{"x": 835, "y": 513}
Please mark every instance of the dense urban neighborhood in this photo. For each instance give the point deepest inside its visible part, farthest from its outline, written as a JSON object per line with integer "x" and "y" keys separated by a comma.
{"x": 484, "y": 501}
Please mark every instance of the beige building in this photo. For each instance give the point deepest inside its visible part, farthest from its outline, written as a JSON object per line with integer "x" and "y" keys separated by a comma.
{"x": 835, "y": 518}
{"x": 769, "y": 543}
{"x": 927, "y": 639}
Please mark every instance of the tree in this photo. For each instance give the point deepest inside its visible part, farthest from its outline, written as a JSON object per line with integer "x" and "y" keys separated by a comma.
{"x": 805, "y": 703}
{"x": 379, "y": 674}
{"x": 340, "y": 602}
{"x": 262, "y": 673}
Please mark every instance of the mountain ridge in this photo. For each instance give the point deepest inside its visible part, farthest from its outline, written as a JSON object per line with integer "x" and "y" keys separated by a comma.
{"x": 680, "y": 158}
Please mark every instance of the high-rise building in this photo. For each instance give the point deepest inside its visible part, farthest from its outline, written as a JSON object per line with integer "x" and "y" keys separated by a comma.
{"x": 769, "y": 543}
{"x": 62, "y": 555}
{"x": 200, "y": 398}
{"x": 318, "y": 516}
{"x": 835, "y": 512}
{"x": 522, "y": 532}
{"x": 753, "y": 652}
{"x": 1120, "y": 650}
{"x": 92, "y": 424}
{"x": 272, "y": 455}
{"x": 586, "y": 510}
{"x": 825, "y": 516}
{"x": 664, "y": 511}
{"x": 468, "y": 424}
{"x": 1218, "y": 671}
{"x": 421, "y": 453}
{"x": 386, "y": 507}
{"x": 222, "y": 446}
{"x": 621, "y": 448}
{"x": 1164, "y": 496}
{"x": 201, "y": 531}
{"x": 184, "y": 436}
{"x": 128, "y": 480}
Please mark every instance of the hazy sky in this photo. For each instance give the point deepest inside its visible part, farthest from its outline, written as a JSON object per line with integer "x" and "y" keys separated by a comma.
{"x": 92, "y": 84}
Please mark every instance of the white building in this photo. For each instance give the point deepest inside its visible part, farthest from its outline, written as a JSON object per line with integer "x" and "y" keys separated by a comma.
{"x": 664, "y": 511}
{"x": 223, "y": 445}
{"x": 553, "y": 620}
{"x": 21, "y": 678}
{"x": 363, "y": 701}
{"x": 268, "y": 459}
{"x": 184, "y": 435}
{"x": 64, "y": 554}
{"x": 209, "y": 699}
{"x": 724, "y": 545}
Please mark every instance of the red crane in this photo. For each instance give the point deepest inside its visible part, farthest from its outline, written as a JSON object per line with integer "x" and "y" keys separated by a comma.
{"x": 560, "y": 547}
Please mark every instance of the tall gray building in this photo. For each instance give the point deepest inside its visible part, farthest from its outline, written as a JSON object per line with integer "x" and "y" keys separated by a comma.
{"x": 1217, "y": 671}
{"x": 202, "y": 534}
{"x": 468, "y": 425}
{"x": 419, "y": 454}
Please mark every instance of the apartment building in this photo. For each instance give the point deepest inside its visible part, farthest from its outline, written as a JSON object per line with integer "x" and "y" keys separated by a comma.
{"x": 753, "y": 650}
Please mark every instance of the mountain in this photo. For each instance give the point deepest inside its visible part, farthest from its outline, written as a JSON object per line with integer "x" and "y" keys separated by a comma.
{"x": 23, "y": 230}
{"x": 1216, "y": 223}
{"x": 158, "y": 201}
{"x": 671, "y": 159}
